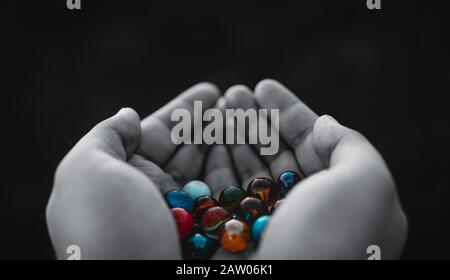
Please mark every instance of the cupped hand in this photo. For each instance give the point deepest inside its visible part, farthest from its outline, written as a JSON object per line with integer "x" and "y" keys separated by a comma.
{"x": 107, "y": 193}
{"x": 347, "y": 201}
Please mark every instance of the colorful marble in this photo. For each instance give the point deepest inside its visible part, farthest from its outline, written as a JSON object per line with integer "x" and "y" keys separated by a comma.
{"x": 258, "y": 227}
{"x": 196, "y": 189}
{"x": 261, "y": 188}
{"x": 184, "y": 222}
{"x": 179, "y": 199}
{"x": 212, "y": 219}
{"x": 230, "y": 198}
{"x": 286, "y": 181}
{"x": 250, "y": 209}
{"x": 275, "y": 205}
{"x": 198, "y": 247}
{"x": 234, "y": 236}
{"x": 201, "y": 204}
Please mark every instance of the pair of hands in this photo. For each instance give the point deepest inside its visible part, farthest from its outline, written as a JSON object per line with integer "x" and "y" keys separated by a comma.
{"x": 107, "y": 194}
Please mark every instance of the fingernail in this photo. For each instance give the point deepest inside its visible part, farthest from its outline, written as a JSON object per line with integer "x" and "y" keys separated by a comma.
{"x": 331, "y": 118}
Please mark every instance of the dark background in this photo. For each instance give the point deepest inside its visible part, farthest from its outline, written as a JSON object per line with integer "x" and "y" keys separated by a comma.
{"x": 384, "y": 73}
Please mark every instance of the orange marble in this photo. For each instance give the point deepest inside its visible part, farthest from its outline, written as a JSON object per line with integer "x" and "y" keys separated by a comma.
{"x": 235, "y": 236}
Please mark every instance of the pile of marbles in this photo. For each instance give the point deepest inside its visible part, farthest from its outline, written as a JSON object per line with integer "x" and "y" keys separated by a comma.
{"x": 233, "y": 222}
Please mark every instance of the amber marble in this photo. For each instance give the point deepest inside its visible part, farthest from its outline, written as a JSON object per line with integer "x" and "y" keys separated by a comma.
{"x": 235, "y": 236}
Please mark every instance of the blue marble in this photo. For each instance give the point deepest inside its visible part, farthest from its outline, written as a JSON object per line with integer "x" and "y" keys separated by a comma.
{"x": 180, "y": 199}
{"x": 196, "y": 189}
{"x": 286, "y": 181}
{"x": 198, "y": 247}
{"x": 258, "y": 227}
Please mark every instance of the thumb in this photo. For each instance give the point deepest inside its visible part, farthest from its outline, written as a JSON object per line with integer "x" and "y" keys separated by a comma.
{"x": 334, "y": 143}
{"x": 118, "y": 135}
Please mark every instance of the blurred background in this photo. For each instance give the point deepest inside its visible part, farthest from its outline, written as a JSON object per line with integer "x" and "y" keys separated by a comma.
{"x": 384, "y": 73}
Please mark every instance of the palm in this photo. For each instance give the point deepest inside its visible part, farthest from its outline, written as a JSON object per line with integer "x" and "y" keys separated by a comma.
{"x": 169, "y": 166}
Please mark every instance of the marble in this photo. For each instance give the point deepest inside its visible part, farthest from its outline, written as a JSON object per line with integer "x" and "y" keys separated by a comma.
{"x": 201, "y": 204}
{"x": 250, "y": 209}
{"x": 234, "y": 236}
{"x": 258, "y": 227}
{"x": 212, "y": 219}
{"x": 261, "y": 188}
{"x": 286, "y": 181}
{"x": 196, "y": 189}
{"x": 198, "y": 247}
{"x": 230, "y": 198}
{"x": 179, "y": 199}
{"x": 184, "y": 222}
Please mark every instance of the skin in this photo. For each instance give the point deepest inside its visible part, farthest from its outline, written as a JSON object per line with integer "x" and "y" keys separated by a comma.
{"x": 107, "y": 193}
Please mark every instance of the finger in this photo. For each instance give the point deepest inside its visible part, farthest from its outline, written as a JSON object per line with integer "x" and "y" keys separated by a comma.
{"x": 186, "y": 164}
{"x": 296, "y": 119}
{"x": 117, "y": 136}
{"x": 241, "y": 97}
{"x": 156, "y": 143}
{"x": 219, "y": 172}
{"x": 352, "y": 204}
{"x": 247, "y": 164}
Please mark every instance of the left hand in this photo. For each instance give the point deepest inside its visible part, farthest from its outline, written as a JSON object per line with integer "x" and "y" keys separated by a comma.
{"x": 348, "y": 200}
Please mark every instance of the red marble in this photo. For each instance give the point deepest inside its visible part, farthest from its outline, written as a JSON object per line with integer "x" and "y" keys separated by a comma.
{"x": 212, "y": 219}
{"x": 184, "y": 222}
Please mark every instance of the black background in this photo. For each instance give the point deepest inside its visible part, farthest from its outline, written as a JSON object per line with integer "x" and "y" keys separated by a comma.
{"x": 384, "y": 73}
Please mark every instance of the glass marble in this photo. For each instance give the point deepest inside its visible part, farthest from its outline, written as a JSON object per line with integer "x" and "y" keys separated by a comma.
{"x": 198, "y": 247}
{"x": 275, "y": 205}
{"x": 230, "y": 198}
{"x": 258, "y": 227}
{"x": 202, "y": 204}
{"x": 212, "y": 219}
{"x": 184, "y": 222}
{"x": 234, "y": 236}
{"x": 180, "y": 199}
{"x": 286, "y": 181}
{"x": 196, "y": 189}
{"x": 261, "y": 188}
{"x": 250, "y": 209}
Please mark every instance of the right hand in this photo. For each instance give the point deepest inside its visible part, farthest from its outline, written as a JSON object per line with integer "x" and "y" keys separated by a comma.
{"x": 107, "y": 193}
